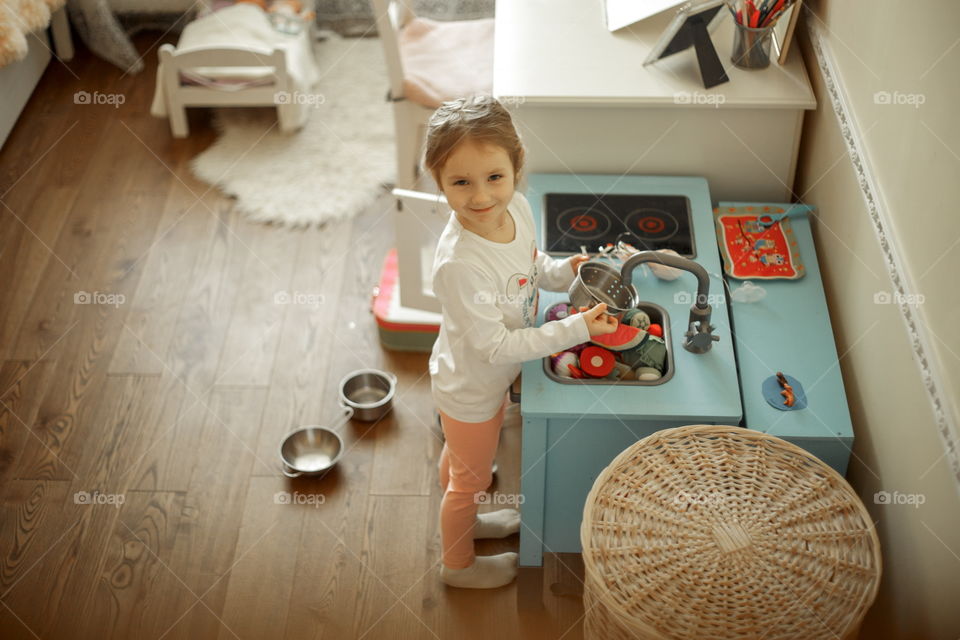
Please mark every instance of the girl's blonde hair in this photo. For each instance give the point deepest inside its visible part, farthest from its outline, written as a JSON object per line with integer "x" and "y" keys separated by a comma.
{"x": 480, "y": 118}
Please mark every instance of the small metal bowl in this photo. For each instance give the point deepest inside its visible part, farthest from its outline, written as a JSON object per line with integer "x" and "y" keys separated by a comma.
{"x": 311, "y": 450}
{"x": 369, "y": 392}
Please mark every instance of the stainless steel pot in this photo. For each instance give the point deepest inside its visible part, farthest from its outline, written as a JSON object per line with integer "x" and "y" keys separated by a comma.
{"x": 312, "y": 450}
{"x": 369, "y": 392}
{"x": 598, "y": 282}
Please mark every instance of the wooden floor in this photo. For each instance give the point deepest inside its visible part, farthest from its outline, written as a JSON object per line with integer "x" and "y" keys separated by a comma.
{"x": 164, "y": 401}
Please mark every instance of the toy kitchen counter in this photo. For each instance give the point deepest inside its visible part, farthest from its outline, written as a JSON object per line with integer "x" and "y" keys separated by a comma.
{"x": 572, "y": 429}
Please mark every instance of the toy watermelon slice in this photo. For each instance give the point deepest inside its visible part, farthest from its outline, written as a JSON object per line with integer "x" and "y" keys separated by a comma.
{"x": 625, "y": 337}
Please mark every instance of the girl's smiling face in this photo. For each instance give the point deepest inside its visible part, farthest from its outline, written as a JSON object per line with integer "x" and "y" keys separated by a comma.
{"x": 478, "y": 181}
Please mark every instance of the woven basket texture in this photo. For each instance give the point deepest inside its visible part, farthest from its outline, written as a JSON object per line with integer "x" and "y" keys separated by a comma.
{"x": 708, "y": 531}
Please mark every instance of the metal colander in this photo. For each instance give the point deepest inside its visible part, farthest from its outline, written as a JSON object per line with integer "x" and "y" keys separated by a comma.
{"x": 598, "y": 282}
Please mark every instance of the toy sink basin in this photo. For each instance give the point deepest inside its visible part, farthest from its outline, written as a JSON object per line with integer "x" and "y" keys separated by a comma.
{"x": 658, "y": 315}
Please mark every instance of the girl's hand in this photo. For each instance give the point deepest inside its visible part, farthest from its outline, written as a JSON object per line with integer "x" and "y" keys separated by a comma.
{"x": 576, "y": 261}
{"x": 598, "y": 322}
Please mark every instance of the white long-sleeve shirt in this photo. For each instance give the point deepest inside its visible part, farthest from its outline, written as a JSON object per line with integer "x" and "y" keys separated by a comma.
{"x": 490, "y": 293}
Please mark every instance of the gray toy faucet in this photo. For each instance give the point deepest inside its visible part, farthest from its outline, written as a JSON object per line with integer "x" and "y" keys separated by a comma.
{"x": 699, "y": 336}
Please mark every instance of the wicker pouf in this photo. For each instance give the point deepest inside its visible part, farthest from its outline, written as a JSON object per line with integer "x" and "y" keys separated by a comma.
{"x": 703, "y": 532}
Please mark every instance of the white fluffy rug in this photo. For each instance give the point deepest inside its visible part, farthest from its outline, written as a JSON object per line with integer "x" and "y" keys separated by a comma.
{"x": 334, "y": 167}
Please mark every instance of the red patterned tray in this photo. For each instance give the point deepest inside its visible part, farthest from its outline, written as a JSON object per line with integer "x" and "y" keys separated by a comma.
{"x": 751, "y": 252}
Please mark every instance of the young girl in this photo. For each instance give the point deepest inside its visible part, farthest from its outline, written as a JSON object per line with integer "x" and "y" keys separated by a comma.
{"x": 486, "y": 274}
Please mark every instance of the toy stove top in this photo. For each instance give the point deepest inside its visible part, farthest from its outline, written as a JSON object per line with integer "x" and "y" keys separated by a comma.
{"x": 594, "y": 220}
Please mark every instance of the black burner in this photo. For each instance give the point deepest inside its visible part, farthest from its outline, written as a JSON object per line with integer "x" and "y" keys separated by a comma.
{"x": 656, "y": 222}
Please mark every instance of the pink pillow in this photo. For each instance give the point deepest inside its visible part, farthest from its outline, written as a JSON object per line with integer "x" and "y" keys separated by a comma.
{"x": 446, "y": 60}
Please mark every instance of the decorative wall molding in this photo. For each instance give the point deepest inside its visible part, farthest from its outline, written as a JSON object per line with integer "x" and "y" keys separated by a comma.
{"x": 919, "y": 340}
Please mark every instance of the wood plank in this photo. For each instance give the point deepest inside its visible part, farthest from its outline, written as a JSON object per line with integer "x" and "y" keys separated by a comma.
{"x": 179, "y": 416}
{"x": 210, "y": 519}
{"x": 198, "y": 338}
{"x": 33, "y": 143}
{"x": 329, "y": 559}
{"x": 63, "y": 568}
{"x": 31, "y": 531}
{"x": 125, "y": 404}
{"x": 564, "y": 577}
{"x": 87, "y": 343}
{"x": 25, "y": 252}
{"x": 391, "y": 578}
{"x": 192, "y": 356}
{"x": 111, "y": 223}
{"x": 264, "y": 561}
{"x": 127, "y": 409}
{"x": 90, "y": 224}
{"x": 251, "y": 341}
{"x": 21, "y": 387}
{"x": 135, "y": 570}
{"x": 408, "y": 444}
{"x": 65, "y": 404}
{"x": 304, "y": 353}
{"x": 218, "y": 485}
{"x": 166, "y": 273}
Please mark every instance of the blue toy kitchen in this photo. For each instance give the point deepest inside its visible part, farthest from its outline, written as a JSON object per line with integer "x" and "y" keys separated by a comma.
{"x": 715, "y": 372}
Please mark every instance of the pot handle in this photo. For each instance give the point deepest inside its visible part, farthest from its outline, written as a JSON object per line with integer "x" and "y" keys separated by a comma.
{"x": 289, "y": 474}
{"x": 346, "y": 415}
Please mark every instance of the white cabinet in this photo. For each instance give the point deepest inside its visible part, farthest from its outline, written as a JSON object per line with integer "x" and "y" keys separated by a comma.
{"x": 18, "y": 79}
{"x": 584, "y": 102}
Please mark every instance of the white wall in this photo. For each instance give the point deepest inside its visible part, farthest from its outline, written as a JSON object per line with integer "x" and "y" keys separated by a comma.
{"x": 911, "y": 146}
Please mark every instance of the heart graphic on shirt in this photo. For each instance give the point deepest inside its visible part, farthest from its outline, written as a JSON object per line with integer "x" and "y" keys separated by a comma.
{"x": 520, "y": 288}
{"x": 522, "y": 292}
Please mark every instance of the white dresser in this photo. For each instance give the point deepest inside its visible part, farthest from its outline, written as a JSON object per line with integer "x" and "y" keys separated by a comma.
{"x": 584, "y": 102}
{"x": 19, "y": 79}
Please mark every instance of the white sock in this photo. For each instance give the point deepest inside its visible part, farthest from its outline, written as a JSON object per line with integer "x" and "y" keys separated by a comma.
{"x": 486, "y": 572}
{"x": 497, "y": 524}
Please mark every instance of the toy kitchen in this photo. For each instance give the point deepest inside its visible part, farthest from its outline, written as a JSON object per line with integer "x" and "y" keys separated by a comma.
{"x": 743, "y": 321}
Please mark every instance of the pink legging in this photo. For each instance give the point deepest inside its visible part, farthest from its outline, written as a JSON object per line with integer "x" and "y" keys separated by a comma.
{"x": 465, "y": 469}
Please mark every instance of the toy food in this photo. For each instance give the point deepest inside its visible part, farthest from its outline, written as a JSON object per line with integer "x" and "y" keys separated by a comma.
{"x": 561, "y": 363}
{"x": 788, "y": 398}
{"x": 636, "y": 318}
{"x": 651, "y": 352}
{"x": 648, "y": 373}
{"x": 625, "y": 337}
{"x": 558, "y": 311}
{"x": 596, "y": 361}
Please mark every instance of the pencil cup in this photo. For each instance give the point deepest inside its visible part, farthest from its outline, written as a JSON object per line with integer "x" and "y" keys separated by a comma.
{"x": 751, "y": 47}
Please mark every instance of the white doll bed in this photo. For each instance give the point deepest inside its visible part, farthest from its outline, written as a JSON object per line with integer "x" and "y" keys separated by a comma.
{"x": 234, "y": 57}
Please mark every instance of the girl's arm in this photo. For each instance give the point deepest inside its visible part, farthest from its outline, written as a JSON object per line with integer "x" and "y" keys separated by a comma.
{"x": 470, "y": 313}
{"x": 555, "y": 275}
